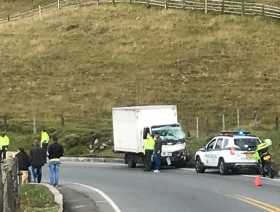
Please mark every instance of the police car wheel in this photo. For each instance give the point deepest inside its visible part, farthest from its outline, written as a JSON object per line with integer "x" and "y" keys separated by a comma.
{"x": 223, "y": 169}
{"x": 199, "y": 166}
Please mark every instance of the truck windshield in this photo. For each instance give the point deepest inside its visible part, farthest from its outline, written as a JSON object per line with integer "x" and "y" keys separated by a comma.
{"x": 169, "y": 132}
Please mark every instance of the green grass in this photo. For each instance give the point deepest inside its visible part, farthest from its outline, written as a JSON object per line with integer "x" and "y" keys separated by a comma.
{"x": 37, "y": 198}
{"x": 84, "y": 61}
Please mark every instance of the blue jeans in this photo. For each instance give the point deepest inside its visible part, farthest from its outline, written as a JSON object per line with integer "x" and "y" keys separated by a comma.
{"x": 37, "y": 174}
{"x": 157, "y": 161}
{"x": 54, "y": 172}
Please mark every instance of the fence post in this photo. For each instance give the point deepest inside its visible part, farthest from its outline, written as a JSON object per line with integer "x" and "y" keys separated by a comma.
{"x": 237, "y": 117}
{"x": 276, "y": 122}
{"x": 223, "y": 6}
{"x": 223, "y": 121}
{"x": 113, "y": 2}
{"x": 9, "y": 17}
{"x": 34, "y": 125}
{"x": 166, "y": 4}
{"x": 97, "y": 3}
{"x": 206, "y": 6}
{"x": 255, "y": 117}
{"x": 40, "y": 11}
{"x": 62, "y": 120}
{"x": 197, "y": 128}
{"x": 58, "y": 4}
{"x": 243, "y": 7}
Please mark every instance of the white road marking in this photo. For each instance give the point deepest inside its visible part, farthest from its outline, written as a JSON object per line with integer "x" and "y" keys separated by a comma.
{"x": 105, "y": 196}
{"x": 78, "y": 206}
{"x": 188, "y": 169}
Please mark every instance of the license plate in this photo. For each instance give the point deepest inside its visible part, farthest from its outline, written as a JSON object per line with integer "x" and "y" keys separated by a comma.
{"x": 168, "y": 161}
{"x": 166, "y": 154}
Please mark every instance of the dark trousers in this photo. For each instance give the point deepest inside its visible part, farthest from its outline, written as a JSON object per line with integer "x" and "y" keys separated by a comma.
{"x": 45, "y": 149}
{"x": 148, "y": 160}
{"x": 37, "y": 174}
{"x": 1, "y": 153}
{"x": 4, "y": 149}
{"x": 157, "y": 161}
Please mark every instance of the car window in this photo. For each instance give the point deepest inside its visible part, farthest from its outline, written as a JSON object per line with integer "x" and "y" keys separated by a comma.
{"x": 219, "y": 144}
{"x": 211, "y": 145}
{"x": 225, "y": 143}
{"x": 246, "y": 144}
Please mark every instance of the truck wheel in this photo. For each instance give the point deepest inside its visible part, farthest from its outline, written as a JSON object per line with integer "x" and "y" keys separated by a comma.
{"x": 131, "y": 163}
{"x": 223, "y": 169}
{"x": 199, "y": 166}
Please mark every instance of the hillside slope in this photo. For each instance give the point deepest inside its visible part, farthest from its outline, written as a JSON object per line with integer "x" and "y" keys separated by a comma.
{"x": 86, "y": 61}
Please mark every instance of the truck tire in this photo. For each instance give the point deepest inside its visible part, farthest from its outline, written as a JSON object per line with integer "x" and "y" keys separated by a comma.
{"x": 131, "y": 163}
{"x": 223, "y": 169}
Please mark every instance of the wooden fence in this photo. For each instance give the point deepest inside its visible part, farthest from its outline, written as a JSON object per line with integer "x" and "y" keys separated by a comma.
{"x": 9, "y": 186}
{"x": 236, "y": 7}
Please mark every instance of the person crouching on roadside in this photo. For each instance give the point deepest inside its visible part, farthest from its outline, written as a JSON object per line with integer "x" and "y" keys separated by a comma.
{"x": 37, "y": 159}
{"x": 23, "y": 161}
{"x": 55, "y": 151}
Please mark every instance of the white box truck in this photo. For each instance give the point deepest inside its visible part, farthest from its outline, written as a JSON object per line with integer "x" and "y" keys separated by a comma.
{"x": 128, "y": 128}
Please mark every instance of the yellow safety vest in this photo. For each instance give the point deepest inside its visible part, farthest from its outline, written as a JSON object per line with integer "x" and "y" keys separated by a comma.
{"x": 6, "y": 140}
{"x": 45, "y": 137}
{"x": 149, "y": 143}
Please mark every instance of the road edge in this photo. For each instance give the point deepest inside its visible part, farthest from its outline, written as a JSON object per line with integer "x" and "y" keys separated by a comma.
{"x": 58, "y": 197}
{"x": 101, "y": 193}
{"x": 87, "y": 159}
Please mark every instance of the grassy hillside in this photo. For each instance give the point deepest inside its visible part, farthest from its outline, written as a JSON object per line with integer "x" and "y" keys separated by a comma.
{"x": 85, "y": 61}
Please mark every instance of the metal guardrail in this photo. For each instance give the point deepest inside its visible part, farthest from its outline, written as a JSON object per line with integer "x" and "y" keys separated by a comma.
{"x": 235, "y": 7}
{"x": 9, "y": 186}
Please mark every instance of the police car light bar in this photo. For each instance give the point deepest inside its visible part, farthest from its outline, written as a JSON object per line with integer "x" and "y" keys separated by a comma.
{"x": 232, "y": 133}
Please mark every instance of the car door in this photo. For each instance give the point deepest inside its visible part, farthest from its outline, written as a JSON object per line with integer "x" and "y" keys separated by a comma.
{"x": 217, "y": 151}
{"x": 209, "y": 149}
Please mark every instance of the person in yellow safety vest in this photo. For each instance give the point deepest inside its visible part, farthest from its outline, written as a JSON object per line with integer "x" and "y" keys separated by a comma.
{"x": 44, "y": 143}
{"x": 6, "y": 143}
{"x": 149, "y": 145}
{"x": 2, "y": 142}
{"x": 261, "y": 149}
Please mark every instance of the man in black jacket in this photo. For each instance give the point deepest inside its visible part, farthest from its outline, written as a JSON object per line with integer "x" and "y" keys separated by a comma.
{"x": 23, "y": 161}
{"x": 55, "y": 151}
{"x": 37, "y": 161}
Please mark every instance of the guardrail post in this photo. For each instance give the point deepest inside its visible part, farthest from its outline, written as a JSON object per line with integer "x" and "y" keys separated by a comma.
{"x": 58, "y": 4}
{"x": 223, "y": 6}
{"x": 113, "y": 2}
{"x": 183, "y": 4}
{"x": 97, "y": 3}
{"x": 263, "y": 10}
{"x": 206, "y": 6}
{"x": 9, "y": 17}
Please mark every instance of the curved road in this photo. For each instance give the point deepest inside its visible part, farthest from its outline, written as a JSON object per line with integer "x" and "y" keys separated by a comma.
{"x": 174, "y": 189}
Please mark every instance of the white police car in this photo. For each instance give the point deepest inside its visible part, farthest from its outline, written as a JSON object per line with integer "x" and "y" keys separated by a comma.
{"x": 227, "y": 151}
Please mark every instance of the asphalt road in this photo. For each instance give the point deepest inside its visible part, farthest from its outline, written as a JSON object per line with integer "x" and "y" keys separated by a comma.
{"x": 174, "y": 189}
